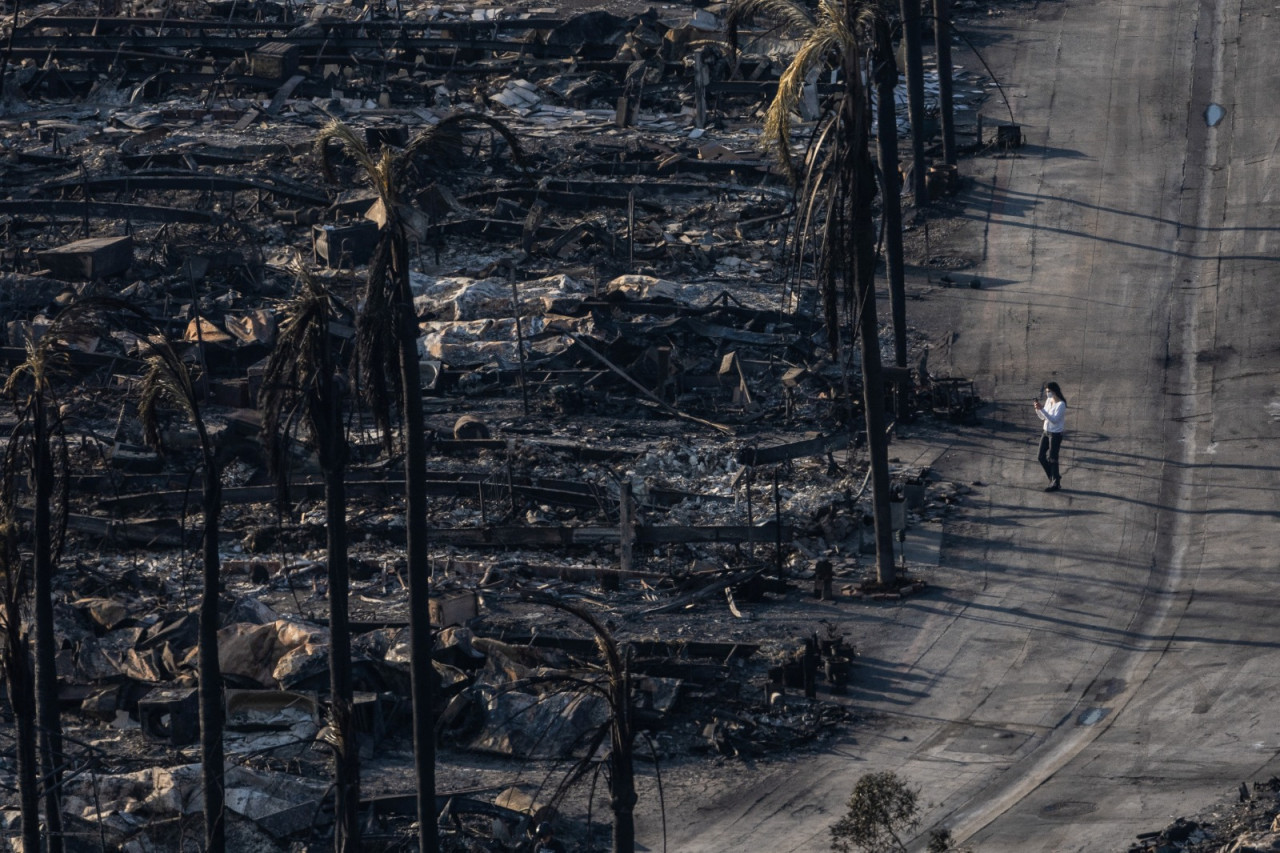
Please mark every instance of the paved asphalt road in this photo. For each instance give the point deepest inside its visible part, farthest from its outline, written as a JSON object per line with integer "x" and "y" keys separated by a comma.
{"x": 1100, "y": 660}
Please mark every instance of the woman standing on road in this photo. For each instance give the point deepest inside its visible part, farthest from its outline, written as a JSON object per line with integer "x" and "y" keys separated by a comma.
{"x": 1053, "y": 411}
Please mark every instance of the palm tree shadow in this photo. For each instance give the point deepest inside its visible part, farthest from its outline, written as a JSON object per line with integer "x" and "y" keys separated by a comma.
{"x": 883, "y": 681}
{"x": 974, "y": 282}
{"x": 1049, "y": 152}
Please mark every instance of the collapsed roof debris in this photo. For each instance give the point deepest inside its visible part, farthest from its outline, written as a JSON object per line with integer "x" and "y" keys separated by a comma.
{"x": 631, "y": 404}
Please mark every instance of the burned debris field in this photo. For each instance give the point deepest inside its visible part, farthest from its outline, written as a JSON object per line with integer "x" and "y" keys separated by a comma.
{"x": 644, "y": 475}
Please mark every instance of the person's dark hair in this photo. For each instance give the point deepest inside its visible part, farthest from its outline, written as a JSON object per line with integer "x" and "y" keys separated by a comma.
{"x": 1055, "y": 391}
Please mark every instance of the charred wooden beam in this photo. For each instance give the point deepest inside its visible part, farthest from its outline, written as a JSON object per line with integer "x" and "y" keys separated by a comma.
{"x": 278, "y": 29}
{"x": 182, "y": 159}
{"x": 816, "y": 446}
{"x": 464, "y": 485}
{"x": 563, "y": 199}
{"x": 343, "y": 47}
{"x": 110, "y": 210}
{"x": 166, "y": 532}
{"x": 181, "y": 183}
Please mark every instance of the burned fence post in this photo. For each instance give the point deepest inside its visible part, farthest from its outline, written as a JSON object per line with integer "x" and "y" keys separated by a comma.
{"x": 701, "y": 78}
{"x": 777, "y": 520}
{"x": 626, "y": 537}
{"x": 515, "y": 313}
{"x": 664, "y": 372}
{"x": 511, "y": 482}
{"x": 823, "y": 575}
{"x": 631, "y": 230}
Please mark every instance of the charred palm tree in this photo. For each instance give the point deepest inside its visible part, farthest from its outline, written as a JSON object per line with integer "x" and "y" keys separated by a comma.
{"x": 885, "y": 75}
{"x": 946, "y": 100}
{"x": 168, "y": 379}
{"x": 41, "y": 438}
{"x": 15, "y": 650}
{"x": 304, "y": 388}
{"x": 387, "y": 352}
{"x": 836, "y": 186}
{"x": 914, "y": 53}
{"x": 617, "y": 692}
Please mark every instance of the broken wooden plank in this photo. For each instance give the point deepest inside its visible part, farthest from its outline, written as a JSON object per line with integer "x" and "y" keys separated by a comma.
{"x": 165, "y": 532}
{"x": 711, "y": 589}
{"x": 452, "y": 484}
{"x": 77, "y": 210}
{"x": 727, "y": 533}
{"x": 181, "y": 183}
{"x": 816, "y": 446}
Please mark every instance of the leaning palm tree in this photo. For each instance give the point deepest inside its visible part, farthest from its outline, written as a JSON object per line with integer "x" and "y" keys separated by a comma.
{"x": 836, "y": 186}
{"x": 40, "y": 436}
{"x": 618, "y": 691}
{"x": 303, "y": 387}
{"x": 387, "y": 353}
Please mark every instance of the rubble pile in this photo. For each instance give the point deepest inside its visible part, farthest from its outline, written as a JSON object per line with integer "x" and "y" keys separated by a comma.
{"x": 1251, "y": 823}
{"x": 630, "y": 400}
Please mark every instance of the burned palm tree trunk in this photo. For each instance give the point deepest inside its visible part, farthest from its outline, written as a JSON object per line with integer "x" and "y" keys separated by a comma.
{"x": 622, "y": 777}
{"x": 946, "y": 99}
{"x": 886, "y": 81}
{"x": 421, "y": 669}
{"x": 333, "y": 442}
{"x": 347, "y": 761}
{"x": 622, "y": 781}
{"x": 47, "y": 714}
{"x": 210, "y": 670}
{"x": 839, "y": 186}
{"x": 167, "y": 377}
{"x": 303, "y": 386}
{"x": 857, "y": 190}
{"x": 15, "y": 657}
{"x": 18, "y": 677}
{"x": 387, "y": 344}
{"x": 915, "y": 95}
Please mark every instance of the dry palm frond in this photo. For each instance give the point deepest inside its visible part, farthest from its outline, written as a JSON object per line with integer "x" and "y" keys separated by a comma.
{"x": 45, "y": 360}
{"x": 166, "y": 378}
{"x": 828, "y": 180}
{"x": 382, "y": 325}
{"x": 13, "y": 580}
{"x": 792, "y": 16}
{"x": 377, "y": 338}
{"x": 299, "y": 384}
{"x": 350, "y": 142}
{"x": 40, "y": 428}
{"x": 448, "y": 134}
{"x": 832, "y": 40}
{"x": 377, "y": 325}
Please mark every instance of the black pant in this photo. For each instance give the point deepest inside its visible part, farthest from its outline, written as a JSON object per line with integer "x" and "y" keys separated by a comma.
{"x": 1050, "y": 442}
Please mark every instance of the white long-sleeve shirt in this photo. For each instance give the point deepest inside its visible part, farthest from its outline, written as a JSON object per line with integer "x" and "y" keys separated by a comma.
{"x": 1054, "y": 414}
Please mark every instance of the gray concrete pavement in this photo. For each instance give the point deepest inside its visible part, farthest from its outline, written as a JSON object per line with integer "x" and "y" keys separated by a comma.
{"x": 1140, "y": 237}
{"x": 1101, "y": 660}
